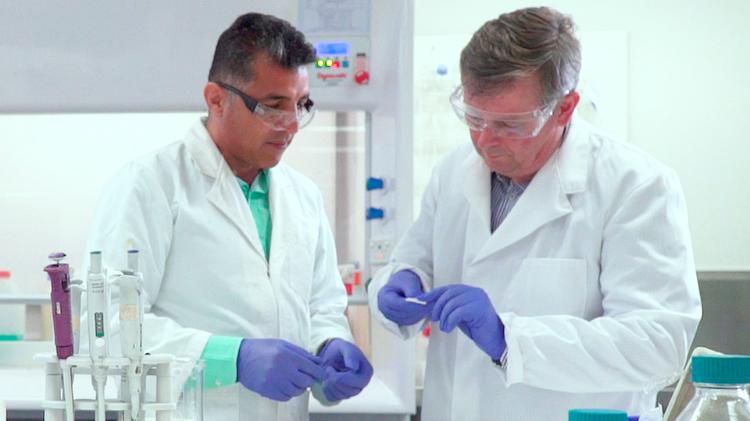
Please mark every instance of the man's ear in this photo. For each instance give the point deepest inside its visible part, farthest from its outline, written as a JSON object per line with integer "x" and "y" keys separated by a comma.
{"x": 215, "y": 97}
{"x": 567, "y": 106}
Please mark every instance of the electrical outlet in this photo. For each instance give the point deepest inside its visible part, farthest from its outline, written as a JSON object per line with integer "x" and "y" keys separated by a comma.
{"x": 380, "y": 251}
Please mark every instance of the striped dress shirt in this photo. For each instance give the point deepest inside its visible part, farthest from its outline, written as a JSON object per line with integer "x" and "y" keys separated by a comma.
{"x": 504, "y": 195}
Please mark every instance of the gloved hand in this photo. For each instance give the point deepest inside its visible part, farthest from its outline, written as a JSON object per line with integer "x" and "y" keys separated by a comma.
{"x": 277, "y": 369}
{"x": 391, "y": 299}
{"x": 470, "y": 309}
{"x": 347, "y": 370}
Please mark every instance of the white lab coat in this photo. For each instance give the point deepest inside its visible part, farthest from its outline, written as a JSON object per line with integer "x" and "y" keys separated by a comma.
{"x": 204, "y": 267}
{"x": 591, "y": 272}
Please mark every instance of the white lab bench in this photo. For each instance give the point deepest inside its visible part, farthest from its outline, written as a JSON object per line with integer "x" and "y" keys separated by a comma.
{"x": 22, "y": 389}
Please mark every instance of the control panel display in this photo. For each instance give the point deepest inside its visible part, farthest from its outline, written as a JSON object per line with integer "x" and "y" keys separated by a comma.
{"x": 332, "y": 48}
{"x": 341, "y": 61}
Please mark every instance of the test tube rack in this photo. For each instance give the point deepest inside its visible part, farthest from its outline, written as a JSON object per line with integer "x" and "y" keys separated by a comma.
{"x": 59, "y": 375}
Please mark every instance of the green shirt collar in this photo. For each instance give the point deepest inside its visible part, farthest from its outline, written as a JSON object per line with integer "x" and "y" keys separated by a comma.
{"x": 259, "y": 186}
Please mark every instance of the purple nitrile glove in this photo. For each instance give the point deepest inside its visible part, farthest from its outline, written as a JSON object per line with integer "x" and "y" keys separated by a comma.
{"x": 347, "y": 369}
{"x": 470, "y": 309}
{"x": 277, "y": 369}
{"x": 391, "y": 299}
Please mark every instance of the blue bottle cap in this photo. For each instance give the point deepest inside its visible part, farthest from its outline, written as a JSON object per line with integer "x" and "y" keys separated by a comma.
{"x": 597, "y": 415}
{"x": 721, "y": 369}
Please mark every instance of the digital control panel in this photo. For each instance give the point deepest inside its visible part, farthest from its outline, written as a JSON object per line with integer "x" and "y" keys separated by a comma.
{"x": 341, "y": 62}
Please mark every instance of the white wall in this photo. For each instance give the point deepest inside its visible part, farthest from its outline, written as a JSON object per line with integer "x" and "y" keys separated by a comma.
{"x": 52, "y": 170}
{"x": 688, "y": 103}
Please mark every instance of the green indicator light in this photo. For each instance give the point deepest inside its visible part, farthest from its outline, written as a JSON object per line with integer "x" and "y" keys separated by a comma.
{"x": 329, "y": 63}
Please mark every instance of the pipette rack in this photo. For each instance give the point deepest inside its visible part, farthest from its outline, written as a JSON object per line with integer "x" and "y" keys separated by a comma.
{"x": 59, "y": 375}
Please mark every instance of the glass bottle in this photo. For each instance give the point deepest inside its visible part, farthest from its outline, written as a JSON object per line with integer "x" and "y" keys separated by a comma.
{"x": 721, "y": 389}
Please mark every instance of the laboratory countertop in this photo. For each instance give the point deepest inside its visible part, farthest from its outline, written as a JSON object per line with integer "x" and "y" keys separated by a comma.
{"x": 22, "y": 389}
{"x": 358, "y": 298}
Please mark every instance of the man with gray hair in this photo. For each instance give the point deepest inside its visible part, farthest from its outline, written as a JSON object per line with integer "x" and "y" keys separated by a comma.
{"x": 236, "y": 252}
{"x": 554, "y": 263}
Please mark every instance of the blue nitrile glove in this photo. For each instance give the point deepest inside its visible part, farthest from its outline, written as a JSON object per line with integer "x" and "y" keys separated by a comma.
{"x": 347, "y": 369}
{"x": 277, "y": 369}
{"x": 470, "y": 309}
{"x": 391, "y": 299}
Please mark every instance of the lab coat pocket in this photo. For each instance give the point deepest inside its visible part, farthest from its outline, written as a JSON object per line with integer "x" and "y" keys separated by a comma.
{"x": 549, "y": 286}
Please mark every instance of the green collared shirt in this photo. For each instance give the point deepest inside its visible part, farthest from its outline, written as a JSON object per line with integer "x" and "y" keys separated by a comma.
{"x": 220, "y": 353}
{"x": 257, "y": 197}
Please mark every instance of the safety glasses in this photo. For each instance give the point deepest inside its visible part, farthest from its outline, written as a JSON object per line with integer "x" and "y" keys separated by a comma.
{"x": 273, "y": 117}
{"x": 510, "y": 125}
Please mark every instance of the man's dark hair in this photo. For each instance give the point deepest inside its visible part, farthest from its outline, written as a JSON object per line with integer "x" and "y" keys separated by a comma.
{"x": 253, "y": 34}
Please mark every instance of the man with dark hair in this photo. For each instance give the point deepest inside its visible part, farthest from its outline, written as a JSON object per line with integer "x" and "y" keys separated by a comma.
{"x": 236, "y": 252}
{"x": 554, "y": 262}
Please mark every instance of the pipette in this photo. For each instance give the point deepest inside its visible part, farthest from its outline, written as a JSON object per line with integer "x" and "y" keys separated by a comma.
{"x": 76, "y": 289}
{"x": 98, "y": 325}
{"x": 59, "y": 276}
{"x": 131, "y": 323}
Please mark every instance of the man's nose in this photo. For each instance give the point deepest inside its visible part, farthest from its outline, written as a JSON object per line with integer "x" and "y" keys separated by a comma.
{"x": 292, "y": 128}
{"x": 487, "y": 137}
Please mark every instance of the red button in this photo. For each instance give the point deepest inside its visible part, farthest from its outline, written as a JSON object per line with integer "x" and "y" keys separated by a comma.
{"x": 362, "y": 77}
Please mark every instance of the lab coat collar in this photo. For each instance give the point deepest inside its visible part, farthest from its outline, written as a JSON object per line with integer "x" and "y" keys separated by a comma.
{"x": 574, "y": 155}
{"x": 225, "y": 192}
{"x": 544, "y": 200}
{"x": 286, "y": 211}
{"x": 477, "y": 191}
{"x": 204, "y": 151}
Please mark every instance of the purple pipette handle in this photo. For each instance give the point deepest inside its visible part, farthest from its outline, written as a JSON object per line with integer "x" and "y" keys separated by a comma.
{"x": 59, "y": 276}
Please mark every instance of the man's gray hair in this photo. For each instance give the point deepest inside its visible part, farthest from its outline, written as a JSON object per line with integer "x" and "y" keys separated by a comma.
{"x": 535, "y": 40}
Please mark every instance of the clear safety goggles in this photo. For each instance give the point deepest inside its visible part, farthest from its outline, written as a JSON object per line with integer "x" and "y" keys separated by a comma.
{"x": 510, "y": 125}
{"x": 273, "y": 117}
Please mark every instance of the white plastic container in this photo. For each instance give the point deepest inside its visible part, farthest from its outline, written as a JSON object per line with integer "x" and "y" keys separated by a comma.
{"x": 12, "y": 316}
